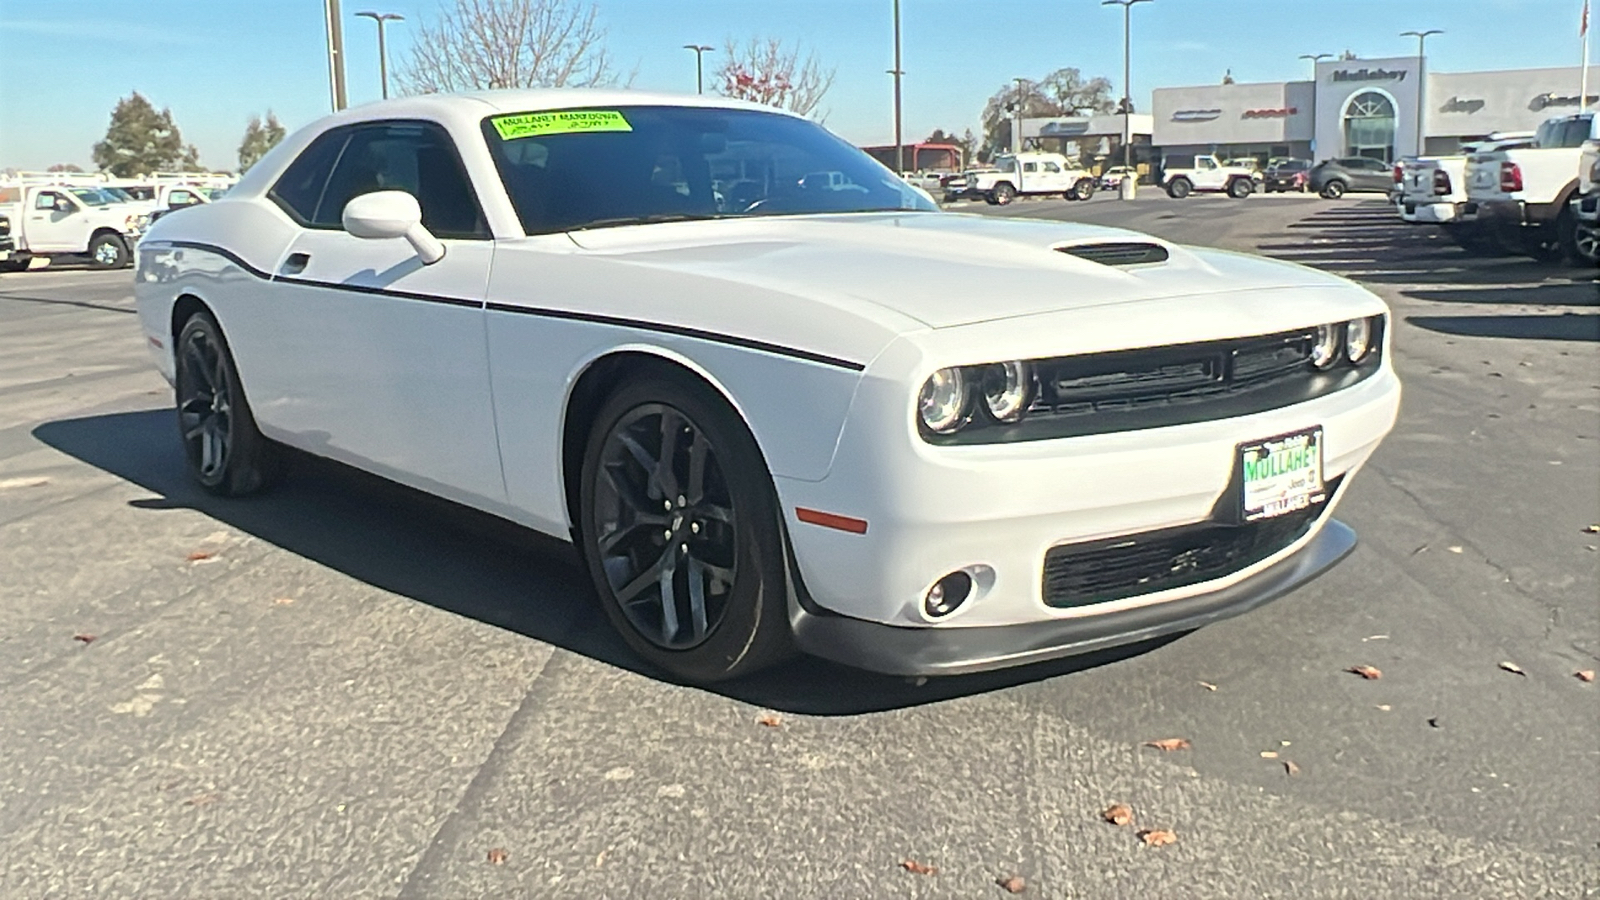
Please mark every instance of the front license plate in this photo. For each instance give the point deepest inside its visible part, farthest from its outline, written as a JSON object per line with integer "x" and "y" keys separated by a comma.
{"x": 1282, "y": 474}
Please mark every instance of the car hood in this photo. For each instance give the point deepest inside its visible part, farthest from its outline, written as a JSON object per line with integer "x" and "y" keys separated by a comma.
{"x": 937, "y": 269}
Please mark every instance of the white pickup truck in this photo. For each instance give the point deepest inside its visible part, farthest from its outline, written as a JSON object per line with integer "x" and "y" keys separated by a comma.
{"x": 1433, "y": 190}
{"x": 1018, "y": 174}
{"x": 1586, "y": 205}
{"x": 50, "y": 220}
{"x": 1522, "y": 196}
{"x": 1207, "y": 175}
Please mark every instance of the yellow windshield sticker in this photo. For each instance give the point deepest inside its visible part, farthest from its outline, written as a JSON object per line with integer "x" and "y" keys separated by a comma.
{"x": 572, "y": 121}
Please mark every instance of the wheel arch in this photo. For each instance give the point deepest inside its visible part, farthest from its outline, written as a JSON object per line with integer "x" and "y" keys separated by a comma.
{"x": 105, "y": 230}
{"x": 183, "y": 309}
{"x": 594, "y": 380}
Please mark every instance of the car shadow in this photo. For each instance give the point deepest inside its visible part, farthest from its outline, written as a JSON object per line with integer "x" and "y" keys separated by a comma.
{"x": 1560, "y": 327}
{"x": 476, "y": 565}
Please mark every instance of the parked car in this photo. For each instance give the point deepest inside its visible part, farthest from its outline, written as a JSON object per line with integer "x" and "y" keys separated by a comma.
{"x": 1586, "y": 205}
{"x": 53, "y": 220}
{"x": 1205, "y": 174}
{"x": 1032, "y": 173}
{"x": 1286, "y": 175}
{"x": 959, "y": 186}
{"x": 1112, "y": 179}
{"x": 1333, "y": 178}
{"x": 794, "y": 413}
{"x": 1522, "y": 195}
{"x": 1433, "y": 191}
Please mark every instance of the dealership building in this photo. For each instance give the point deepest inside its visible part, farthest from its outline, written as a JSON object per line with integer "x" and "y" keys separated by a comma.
{"x": 1359, "y": 107}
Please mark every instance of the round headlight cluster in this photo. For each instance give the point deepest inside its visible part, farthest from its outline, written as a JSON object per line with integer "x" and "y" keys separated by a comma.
{"x": 943, "y": 401}
{"x": 1005, "y": 388}
{"x": 1352, "y": 340}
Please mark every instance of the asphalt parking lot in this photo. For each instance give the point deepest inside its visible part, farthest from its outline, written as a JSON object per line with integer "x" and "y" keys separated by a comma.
{"x": 343, "y": 689}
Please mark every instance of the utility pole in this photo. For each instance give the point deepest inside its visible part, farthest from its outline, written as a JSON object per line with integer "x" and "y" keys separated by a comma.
{"x": 699, "y": 66}
{"x": 1127, "y": 94}
{"x": 383, "y": 49}
{"x": 335, "y": 22}
{"x": 1315, "y": 58}
{"x": 897, "y": 72}
{"x": 1422, "y": 80}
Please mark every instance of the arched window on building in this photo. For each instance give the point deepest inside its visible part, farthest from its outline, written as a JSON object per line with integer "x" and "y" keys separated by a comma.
{"x": 1369, "y": 126}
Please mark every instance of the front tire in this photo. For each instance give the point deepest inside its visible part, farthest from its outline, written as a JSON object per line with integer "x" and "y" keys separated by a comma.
{"x": 1179, "y": 188}
{"x": 227, "y": 455}
{"x": 1004, "y": 193}
{"x": 1083, "y": 190}
{"x": 1240, "y": 188}
{"x": 107, "y": 251}
{"x": 680, "y": 530}
{"x": 1580, "y": 244}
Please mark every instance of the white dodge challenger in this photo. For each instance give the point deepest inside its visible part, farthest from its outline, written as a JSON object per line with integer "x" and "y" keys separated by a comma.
{"x": 775, "y": 396}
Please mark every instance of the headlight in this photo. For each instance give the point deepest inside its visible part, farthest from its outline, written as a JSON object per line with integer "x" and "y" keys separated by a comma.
{"x": 1358, "y": 339}
{"x": 1006, "y": 387}
{"x": 1594, "y": 171}
{"x": 1325, "y": 352}
{"x": 943, "y": 401}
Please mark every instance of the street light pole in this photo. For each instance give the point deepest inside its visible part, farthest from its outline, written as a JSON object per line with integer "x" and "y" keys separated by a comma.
{"x": 1422, "y": 81}
{"x": 899, "y": 139}
{"x": 1127, "y": 87}
{"x": 383, "y": 49}
{"x": 335, "y": 23}
{"x": 1315, "y": 58}
{"x": 699, "y": 65}
{"x": 1016, "y": 124}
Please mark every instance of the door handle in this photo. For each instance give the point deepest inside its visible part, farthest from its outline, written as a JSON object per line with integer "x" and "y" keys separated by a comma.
{"x": 296, "y": 263}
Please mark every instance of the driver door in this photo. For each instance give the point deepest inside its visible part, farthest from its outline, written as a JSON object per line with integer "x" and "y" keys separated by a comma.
{"x": 1207, "y": 174}
{"x": 55, "y": 223}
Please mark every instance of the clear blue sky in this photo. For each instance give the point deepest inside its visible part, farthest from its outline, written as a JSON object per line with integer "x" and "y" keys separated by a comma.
{"x": 63, "y": 65}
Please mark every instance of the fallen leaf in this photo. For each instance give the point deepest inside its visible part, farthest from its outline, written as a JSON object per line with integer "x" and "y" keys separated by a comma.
{"x": 1592, "y": 529}
{"x": 199, "y": 555}
{"x": 1208, "y": 685}
{"x": 770, "y": 720}
{"x": 916, "y": 868}
{"x": 7, "y": 484}
{"x": 1167, "y": 745}
{"x": 84, "y": 638}
{"x": 1585, "y": 675}
{"x": 1269, "y": 754}
{"x": 1384, "y": 706}
{"x": 284, "y": 601}
{"x": 201, "y": 800}
{"x": 1283, "y": 743}
{"x": 1370, "y": 673}
{"x": 1375, "y": 637}
{"x": 1513, "y": 668}
{"x": 1433, "y": 722}
{"x": 1290, "y": 768}
{"x": 1012, "y": 885}
{"x": 1456, "y": 550}
{"x": 1157, "y": 837}
{"x": 1118, "y": 814}
{"x": 497, "y": 855}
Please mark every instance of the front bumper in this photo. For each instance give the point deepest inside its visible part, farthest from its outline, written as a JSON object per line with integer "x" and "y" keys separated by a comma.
{"x": 955, "y": 651}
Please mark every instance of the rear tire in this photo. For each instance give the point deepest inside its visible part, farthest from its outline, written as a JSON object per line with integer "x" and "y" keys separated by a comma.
{"x": 1333, "y": 190}
{"x": 680, "y": 530}
{"x": 227, "y": 454}
{"x": 1240, "y": 188}
{"x": 1179, "y": 188}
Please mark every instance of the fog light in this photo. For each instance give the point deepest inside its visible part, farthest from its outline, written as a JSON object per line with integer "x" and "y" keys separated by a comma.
{"x": 947, "y": 594}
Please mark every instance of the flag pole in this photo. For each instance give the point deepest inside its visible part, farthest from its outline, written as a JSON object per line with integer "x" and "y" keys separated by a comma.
{"x": 1583, "y": 79}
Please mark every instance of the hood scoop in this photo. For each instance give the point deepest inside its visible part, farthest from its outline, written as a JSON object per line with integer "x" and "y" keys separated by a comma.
{"x": 1119, "y": 253}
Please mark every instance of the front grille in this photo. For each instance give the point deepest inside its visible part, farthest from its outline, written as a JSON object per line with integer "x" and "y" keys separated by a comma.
{"x": 1102, "y": 571}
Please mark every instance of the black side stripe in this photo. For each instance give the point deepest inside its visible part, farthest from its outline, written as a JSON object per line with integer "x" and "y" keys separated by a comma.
{"x": 571, "y": 315}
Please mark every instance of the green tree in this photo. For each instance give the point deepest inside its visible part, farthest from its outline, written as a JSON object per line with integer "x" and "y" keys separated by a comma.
{"x": 259, "y": 137}
{"x": 141, "y": 140}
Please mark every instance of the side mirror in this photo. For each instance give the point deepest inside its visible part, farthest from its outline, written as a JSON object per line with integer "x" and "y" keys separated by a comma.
{"x": 384, "y": 215}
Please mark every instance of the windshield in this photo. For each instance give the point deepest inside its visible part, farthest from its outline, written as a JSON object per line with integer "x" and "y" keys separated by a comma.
{"x": 593, "y": 168}
{"x": 1563, "y": 133}
{"x": 1005, "y": 164}
{"x": 91, "y": 197}
{"x": 118, "y": 194}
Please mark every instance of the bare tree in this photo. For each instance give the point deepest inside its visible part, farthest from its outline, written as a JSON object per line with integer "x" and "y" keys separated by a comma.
{"x": 479, "y": 44}
{"x": 1064, "y": 92}
{"x": 764, "y": 71}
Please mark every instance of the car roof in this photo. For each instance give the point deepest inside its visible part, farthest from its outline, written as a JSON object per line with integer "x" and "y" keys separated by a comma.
{"x": 482, "y": 103}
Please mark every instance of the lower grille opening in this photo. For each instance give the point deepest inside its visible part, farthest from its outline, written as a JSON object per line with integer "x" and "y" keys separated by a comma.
{"x": 1102, "y": 571}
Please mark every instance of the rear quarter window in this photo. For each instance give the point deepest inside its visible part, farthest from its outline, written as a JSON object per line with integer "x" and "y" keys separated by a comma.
{"x": 300, "y": 188}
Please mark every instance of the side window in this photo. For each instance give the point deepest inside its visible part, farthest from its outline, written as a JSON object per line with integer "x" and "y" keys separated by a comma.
{"x": 1206, "y": 162}
{"x": 300, "y": 187}
{"x": 1030, "y": 167}
{"x": 1051, "y": 167}
{"x": 416, "y": 157}
{"x": 46, "y": 200}
{"x": 181, "y": 198}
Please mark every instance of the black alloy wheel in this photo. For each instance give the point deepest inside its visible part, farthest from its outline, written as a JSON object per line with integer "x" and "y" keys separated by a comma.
{"x": 1580, "y": 243}
{"x": 226, "y": 454}
{"x": 680, "y": 530}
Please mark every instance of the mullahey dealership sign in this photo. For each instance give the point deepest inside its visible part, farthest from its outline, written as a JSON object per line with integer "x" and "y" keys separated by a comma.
{"x": 1369, "y": 75}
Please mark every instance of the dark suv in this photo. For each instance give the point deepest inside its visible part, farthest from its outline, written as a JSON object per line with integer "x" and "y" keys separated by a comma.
{"x": 1333, "y": 178}
{"x": 1286, "y": 175}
